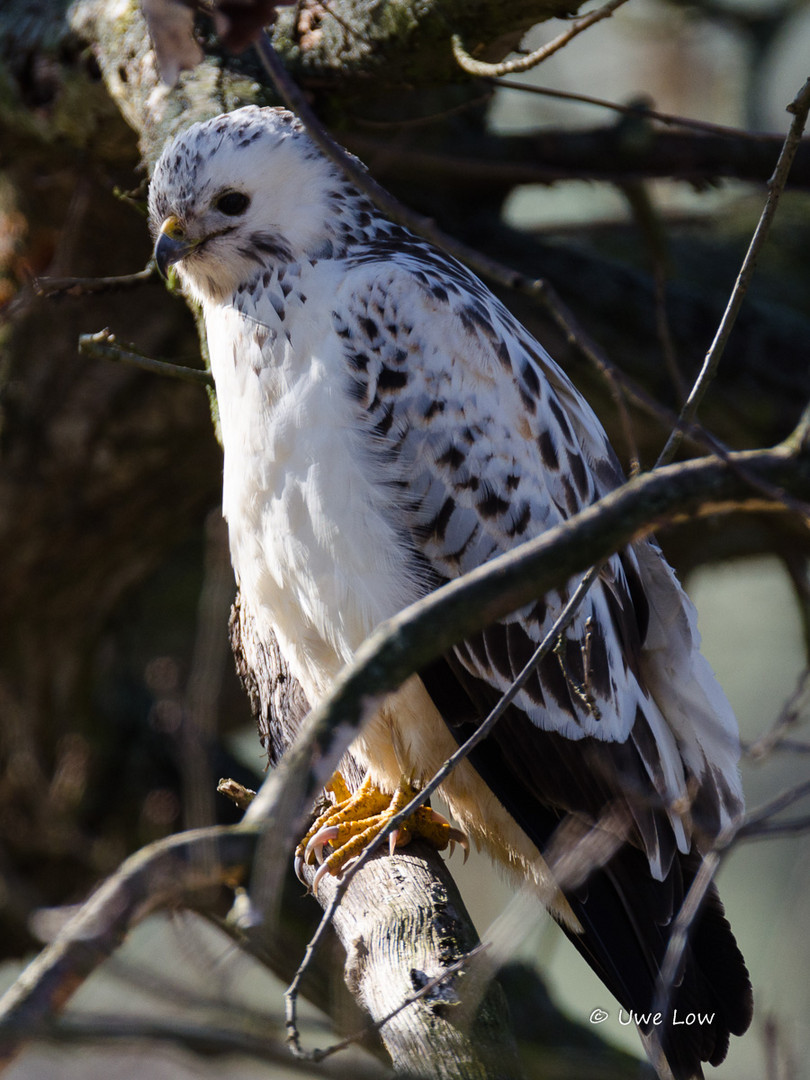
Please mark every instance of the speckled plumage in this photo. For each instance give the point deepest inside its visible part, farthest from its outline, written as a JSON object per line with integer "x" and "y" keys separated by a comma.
{"x": 387, "y": 426}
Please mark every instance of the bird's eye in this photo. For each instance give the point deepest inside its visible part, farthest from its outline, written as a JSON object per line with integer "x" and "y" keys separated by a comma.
{"x": 232, "y": 203}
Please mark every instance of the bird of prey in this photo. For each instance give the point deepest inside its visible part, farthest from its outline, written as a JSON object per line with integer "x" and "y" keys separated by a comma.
{"x": 387, "y": 426}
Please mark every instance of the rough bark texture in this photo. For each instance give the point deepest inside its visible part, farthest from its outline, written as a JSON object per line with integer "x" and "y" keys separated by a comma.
{"x": 409, "y": 42}
{"x": 402, "y": 924}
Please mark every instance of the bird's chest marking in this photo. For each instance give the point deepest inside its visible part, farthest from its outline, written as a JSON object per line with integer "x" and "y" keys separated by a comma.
{"x": 315, "y": 533}
{"x": 282, "y": 301}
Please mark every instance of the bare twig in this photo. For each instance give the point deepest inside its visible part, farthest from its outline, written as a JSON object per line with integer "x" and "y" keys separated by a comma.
{"x": 793, "y": 746}
{"x": 787, "y": 719}
{"x": 202, "y": 1037}
{"x": 345, "y": 26}
{"x": 643, "y": 111}
{"x": 103, "y": 346}
{"x": 78, "y": 286}
{"x": 166, "y": 873}
{"x": 406, "y": 122}
{"x": 770, "y": 1041}
{"x": 653, "y": 234}
{"x": 778, "y": 1059}
{"x": 239, "y": 795}
{"x": 799, "y": 107}
{"x": 763, "y": 814}
{"x": 790, "y": 827}
{"x": 525, "y": 63}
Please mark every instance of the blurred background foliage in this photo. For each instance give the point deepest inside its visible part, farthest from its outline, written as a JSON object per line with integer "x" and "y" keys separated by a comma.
{"x": 120, "y": 709}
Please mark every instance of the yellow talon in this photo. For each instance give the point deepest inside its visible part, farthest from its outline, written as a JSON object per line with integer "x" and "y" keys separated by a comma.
{"x": 356, "y": 818}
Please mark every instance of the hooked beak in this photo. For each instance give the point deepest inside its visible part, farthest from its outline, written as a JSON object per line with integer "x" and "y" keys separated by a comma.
{"x": 172, "y": 245}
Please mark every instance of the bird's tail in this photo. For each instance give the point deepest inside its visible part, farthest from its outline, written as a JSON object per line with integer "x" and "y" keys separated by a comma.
{"x": 627, "y": 918}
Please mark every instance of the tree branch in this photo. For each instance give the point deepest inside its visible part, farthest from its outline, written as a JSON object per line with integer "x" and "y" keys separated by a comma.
{"x": 526, "y": 63}
{"x": 103, "y": 346}
{"x": 170, "y": 872}
{"x": 800, "y": 108}
{"x": 633, "y": 149}
{"x": 403, "y": 925}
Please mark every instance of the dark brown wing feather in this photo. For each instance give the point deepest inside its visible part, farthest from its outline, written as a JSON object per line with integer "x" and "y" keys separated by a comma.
{"x": 626, "y": 914}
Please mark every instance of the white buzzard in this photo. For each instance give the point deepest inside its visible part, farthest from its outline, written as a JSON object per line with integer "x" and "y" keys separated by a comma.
{"x": 387, "y": 426}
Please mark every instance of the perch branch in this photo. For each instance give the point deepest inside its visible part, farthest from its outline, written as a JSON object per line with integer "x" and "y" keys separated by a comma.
{"x": 425, "y": 991}
{"x": 407, "y": 944}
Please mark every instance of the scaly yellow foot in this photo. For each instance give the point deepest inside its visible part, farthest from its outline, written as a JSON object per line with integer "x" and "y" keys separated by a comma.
{"x": 355, "y": 819}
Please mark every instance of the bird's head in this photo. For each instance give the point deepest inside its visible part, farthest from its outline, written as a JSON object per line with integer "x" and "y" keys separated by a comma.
{"x": 244, "y": 190}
